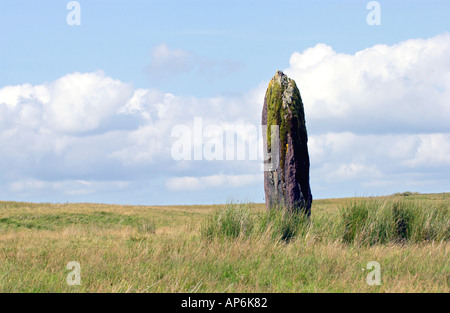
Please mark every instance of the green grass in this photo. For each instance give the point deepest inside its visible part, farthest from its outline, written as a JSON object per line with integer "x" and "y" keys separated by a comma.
{"x": 233, "y": 221}
{"x": 60, "y": 220}
{"x": 361, "y": 221}
{"x": 376, "y": 222}
{"x": 231, "y": 248}
{"x": 240, "y": 221}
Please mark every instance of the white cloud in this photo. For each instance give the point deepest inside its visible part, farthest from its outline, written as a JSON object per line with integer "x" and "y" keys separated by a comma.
{"x": 359, "y": 164}
{"x": 73, "y": 103}
{"x": 431, "y": 151}
{"x": 402, "y": 151}
{"x": 376, "y": 119}
{"x": 382, "y": 89}
{"x": 214, "y": 181}
{"x": 86, "y": 127}
{"x": 352, "y": 171}
{"x": 80, "y": 102}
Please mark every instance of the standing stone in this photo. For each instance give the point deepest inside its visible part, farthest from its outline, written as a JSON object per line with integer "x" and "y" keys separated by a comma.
{"x": 286, "y": 184}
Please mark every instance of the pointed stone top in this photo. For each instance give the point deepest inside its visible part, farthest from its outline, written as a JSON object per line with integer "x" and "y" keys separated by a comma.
{"x": 281, "y": 79}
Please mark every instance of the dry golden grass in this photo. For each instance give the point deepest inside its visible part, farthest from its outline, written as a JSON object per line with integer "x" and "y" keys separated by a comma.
{"x": 161, "y": 249}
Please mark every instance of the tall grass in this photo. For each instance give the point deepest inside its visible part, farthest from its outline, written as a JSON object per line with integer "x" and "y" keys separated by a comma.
{"x": 239, "y": 221}
{"x": 231, "y": 222}
{"x": 360, "y": 222}
{"x": 370, "y": 222}
{"x": 232, "y": 248}
{"x": 283, "y": 225}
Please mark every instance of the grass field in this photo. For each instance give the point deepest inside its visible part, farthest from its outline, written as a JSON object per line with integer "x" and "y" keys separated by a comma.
{"x": 228, "y": 248}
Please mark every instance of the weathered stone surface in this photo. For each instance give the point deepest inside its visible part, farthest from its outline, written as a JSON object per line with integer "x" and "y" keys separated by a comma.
{"x": 287, "y": 184}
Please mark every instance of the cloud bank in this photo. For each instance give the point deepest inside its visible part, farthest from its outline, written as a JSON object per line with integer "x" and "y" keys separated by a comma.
{"x": 378, "y": 122}
{"x": 379, "y": 119}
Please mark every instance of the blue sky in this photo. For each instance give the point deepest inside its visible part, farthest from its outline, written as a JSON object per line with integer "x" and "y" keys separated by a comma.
{"x": 259, "y": 36}
{"x": 214, "y": 59}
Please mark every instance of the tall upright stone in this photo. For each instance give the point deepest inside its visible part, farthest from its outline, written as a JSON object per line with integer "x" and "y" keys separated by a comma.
{"x": 286, "y": 183}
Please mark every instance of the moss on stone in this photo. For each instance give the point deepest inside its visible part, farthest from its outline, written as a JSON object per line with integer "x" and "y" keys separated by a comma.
{"x": 274, "y": 106}
{"x": 277, "y": 115}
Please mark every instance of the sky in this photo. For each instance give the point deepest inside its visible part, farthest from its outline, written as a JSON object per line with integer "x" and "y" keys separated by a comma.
{"x": 98, "y": 97}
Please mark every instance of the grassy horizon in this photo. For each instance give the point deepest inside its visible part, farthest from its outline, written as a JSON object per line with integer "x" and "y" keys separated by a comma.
{"x": 228, "y": 248}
